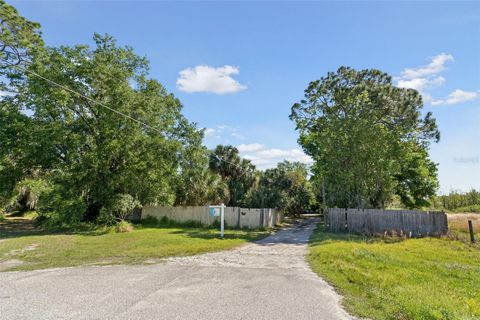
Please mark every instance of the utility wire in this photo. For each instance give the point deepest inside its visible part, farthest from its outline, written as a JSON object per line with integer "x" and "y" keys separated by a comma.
{"x": 104, "y": 105}
{"x": 82, "y": 96}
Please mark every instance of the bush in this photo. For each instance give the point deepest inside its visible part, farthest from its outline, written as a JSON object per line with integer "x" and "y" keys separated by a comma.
{"x": 123, "y": 226}
{"x": 61, "y": 207}
{"x": 119, "y": 209}
{"x": 2, "y": 217}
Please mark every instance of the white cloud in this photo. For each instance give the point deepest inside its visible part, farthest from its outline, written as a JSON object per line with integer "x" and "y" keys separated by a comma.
{"x": 421, "y": 84}
{"x": 224, "y": 132}
{"x": 209, "y": 132}
{"x": 237, "y": 135}
{"x": 205, "y": 78}
{"x": 250, "y": 147}
{"x": 264, "y": 158}
{"x": 437, "y": 65}
{"x": 457, "y": 96}
{"x": 426, "y": 77}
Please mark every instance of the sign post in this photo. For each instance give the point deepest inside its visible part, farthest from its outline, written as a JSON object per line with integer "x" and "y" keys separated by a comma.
{"x": 219, "y": 211}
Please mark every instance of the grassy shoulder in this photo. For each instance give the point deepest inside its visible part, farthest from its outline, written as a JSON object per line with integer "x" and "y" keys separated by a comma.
{"x": 429, "y": 278}
{"x": 36, "y": 249}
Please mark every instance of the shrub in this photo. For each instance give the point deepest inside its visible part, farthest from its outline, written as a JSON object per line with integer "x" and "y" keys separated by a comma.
{"x": 2, "y": 217}
{"x": 119, "y": 209}
{"x": 123, "y": 226}
{"x": 59, "y": 206}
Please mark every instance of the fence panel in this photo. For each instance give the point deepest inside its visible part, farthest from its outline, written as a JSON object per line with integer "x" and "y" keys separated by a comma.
{"x": 234, "y": 216}
{"x": 374, "y": 221}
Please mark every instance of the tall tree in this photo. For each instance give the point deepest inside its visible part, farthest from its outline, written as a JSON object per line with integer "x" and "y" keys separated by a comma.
{"x": 88, "y": 134}
{"x": 365, "y": 136}
{"x": 286, "y": 187}
{"x": 19, "y": 40}
{"x": 237, "y": 172}
{"x": 197, "y": 184}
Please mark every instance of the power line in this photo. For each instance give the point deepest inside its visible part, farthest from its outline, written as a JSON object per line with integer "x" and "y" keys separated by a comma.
{"x": 105, "y": 106}
{"x": 82, "y": 96}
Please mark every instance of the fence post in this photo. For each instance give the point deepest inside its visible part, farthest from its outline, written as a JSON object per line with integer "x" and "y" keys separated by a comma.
{"x": 346, "y": 219}
{"x": 238, "y": 218}
{"x": 470, "y": 228}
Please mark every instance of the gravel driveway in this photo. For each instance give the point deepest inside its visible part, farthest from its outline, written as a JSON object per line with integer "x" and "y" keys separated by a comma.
{"x": 268, "y": 279}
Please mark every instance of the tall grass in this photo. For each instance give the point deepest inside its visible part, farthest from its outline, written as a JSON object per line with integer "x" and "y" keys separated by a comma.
{"x": 459, "y": 222}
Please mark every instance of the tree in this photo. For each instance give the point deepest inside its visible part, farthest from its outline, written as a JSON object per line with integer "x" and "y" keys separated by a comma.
{"x": 238, "y": 173}
{"x": 286, "y": 187}
{"x": 365, "y": 136}
{"x": 198, "y": 185}
{"x": 19, "y": 39}
{"x": 88, "y": 136}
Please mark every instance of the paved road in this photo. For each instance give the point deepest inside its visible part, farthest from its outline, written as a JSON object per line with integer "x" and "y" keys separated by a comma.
{"x": 268, "y": 279}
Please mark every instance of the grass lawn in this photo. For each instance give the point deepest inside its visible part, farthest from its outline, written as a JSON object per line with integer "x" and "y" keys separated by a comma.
{"x": 33, "y": 249}
{"x": 429, "y": 278}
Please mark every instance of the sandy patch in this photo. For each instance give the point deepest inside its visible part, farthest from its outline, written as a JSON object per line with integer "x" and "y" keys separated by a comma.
{"x": 7, "y": 264}
{"x": 31, "y": 247}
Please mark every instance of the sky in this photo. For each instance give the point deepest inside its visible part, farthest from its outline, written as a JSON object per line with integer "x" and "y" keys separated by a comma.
{"x": 238, "y": 67}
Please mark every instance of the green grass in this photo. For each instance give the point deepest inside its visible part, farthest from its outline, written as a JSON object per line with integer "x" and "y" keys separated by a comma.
{"x": 429, "y": 278}
{"x": 39, "y": 250}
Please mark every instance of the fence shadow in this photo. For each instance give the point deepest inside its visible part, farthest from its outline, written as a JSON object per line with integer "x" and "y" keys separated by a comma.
{"x": 324, "y": 236}
{"x": 230, "y": 234}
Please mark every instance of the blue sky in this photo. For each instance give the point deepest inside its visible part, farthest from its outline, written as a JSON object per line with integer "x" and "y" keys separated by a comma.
{"x": 239, "y": 66}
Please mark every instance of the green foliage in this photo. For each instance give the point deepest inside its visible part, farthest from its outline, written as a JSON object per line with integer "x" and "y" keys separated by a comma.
{"x": 60, "y": 205}
{"x": 429, "y": 278}
{"x": 123, "y": 226}
{"x": 473, "y": 208}
{"x": 239, "y": 174}
{"x": 89, "y": 153}
{"x": 198, "y": 185}
{"x": 14, "y": 137}
{"x": 27, "y": 193}
{"x": 121, "y": 206}
{"x": 286, "y": 187}
{"x": 2, "y": 216}
{"x": 459, "y": 201}
{"x": 417, "y": 180}
{"x": 19, "y": 37}
{"x": 368, "y": 139}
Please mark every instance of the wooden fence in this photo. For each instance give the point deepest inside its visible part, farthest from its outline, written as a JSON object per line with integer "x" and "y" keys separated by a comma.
{"x": 235, "y": 217}
{"x": 373, "y": 221}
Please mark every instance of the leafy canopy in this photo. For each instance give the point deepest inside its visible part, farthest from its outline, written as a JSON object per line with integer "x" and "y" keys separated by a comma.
{"x": 88, "y": 152}
{"x": 368, "y": 138}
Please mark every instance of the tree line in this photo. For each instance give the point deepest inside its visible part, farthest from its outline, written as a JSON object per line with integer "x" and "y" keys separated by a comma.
{"x": 459, "y": 201}
{"x": 87, "y": 135}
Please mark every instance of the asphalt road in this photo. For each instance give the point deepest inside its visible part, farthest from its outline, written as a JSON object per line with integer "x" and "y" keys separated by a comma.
{"x": 268, "y": 279}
